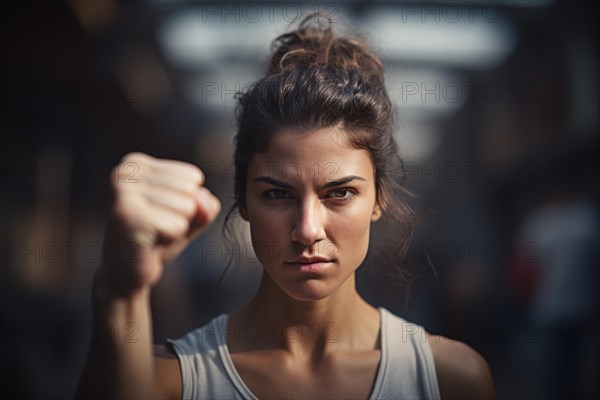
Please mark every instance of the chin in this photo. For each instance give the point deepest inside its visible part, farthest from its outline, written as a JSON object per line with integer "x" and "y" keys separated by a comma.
{"x": 309, "y": 290}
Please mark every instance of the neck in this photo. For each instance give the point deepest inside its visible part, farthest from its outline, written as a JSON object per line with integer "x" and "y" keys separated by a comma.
{"x": 313, "y": 328}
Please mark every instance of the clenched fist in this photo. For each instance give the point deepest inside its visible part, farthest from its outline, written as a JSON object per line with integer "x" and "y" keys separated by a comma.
{"x": 159, "y": 206}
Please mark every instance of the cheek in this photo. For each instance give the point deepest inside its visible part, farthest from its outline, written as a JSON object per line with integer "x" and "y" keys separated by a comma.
{"x": 269, "y": 235}
{"x": 352, "y": 236}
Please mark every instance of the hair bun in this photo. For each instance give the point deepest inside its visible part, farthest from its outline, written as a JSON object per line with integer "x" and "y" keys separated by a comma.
{"x": 314, "y": 43}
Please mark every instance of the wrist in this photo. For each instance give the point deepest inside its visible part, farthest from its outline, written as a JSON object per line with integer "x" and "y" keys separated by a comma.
{"x": 109, "y": 298}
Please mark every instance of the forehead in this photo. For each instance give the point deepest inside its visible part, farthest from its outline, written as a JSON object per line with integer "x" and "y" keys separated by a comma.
{"x": 325, "y": 152}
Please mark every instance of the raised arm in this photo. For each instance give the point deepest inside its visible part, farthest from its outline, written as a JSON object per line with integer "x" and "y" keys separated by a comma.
{"x": 159, "y": 206}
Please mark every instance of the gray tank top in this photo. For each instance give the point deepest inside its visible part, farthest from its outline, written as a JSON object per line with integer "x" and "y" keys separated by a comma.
{"x": 406, "y": 367}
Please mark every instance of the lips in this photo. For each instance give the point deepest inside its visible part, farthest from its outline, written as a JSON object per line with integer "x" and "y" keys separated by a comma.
{"x": 309, "y": 260}
{"x": 313, "y": 265}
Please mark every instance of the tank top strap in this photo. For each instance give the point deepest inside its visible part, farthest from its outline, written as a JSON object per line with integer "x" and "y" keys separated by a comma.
{"x": 409, "y": 370}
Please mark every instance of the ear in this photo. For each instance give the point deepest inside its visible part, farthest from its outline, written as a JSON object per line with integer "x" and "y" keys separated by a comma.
{"x": 243, "y": 212}
{"x": 376, "y": 213}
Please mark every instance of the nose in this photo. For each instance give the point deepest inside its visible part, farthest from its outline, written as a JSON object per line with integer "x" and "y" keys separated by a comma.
{"x": 308, "y": 227}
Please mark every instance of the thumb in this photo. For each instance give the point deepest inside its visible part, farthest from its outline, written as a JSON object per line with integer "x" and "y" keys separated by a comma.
{"x": 208, "y": 208}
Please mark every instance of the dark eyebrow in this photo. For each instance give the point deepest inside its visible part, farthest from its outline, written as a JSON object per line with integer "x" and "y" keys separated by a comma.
{"x": 330, "y": 184}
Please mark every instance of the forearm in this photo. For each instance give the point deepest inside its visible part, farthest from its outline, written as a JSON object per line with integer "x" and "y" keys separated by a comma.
{"x": 152, "y": 219}
{"x": 120, "y": 362}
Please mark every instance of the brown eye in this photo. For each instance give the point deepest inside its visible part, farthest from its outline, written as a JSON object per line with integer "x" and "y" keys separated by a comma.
{"x": 347, "y": 194}
{"x": 275, "y": 194}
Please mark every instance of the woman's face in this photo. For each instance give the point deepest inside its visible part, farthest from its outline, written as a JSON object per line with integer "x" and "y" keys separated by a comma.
{"x": 296, "y": 211}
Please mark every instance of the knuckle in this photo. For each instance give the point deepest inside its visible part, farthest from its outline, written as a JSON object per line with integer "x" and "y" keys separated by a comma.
{"x": 218, "y": 206}
{"x": 188, "y": 187}
{"x": 191, "y": 175}
{"x": 180, "y": 225}
{"x": 129, "y": 170}
{"x": 197, "y": 175}
{"x": 134, "y": 156}
{"x": 189, "y": 206}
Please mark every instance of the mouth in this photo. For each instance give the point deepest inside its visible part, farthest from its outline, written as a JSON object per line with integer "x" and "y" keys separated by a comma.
{"x": 310, "y": 260}
{"x": 316, "y": 264}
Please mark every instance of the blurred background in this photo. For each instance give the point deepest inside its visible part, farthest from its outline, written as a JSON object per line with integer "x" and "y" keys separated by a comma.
{"x": 497, "y": 122}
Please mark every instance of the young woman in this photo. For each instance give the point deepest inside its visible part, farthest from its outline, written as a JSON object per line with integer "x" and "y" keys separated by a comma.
{"x": 315, "y": 159}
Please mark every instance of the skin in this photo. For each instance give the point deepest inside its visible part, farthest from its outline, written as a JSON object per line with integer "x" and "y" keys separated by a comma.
{"x": 325, "y": 341}
{"x": 321, "y": 339}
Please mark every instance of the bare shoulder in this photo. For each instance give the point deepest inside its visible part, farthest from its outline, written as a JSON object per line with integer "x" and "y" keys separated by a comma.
{"x": 167, "y": 372}
{"x": 461, "y": 371}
